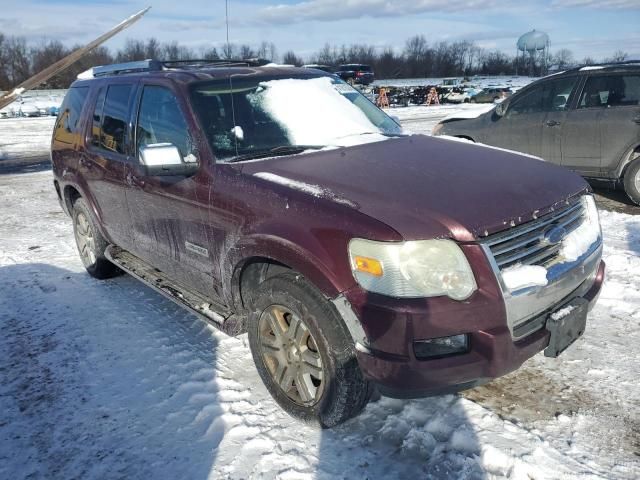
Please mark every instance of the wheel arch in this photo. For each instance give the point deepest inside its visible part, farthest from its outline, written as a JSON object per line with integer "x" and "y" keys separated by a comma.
{"x": 70, "y": 193}
{"x": 263, "y": 257}
{"x": 630, "y": 155}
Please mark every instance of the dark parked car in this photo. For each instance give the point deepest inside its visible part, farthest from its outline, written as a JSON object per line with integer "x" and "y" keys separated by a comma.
{"x": 281, "y": 202}
{"x": 324, "y": 68}
{"x": 491, "y": 95}
{"x": 356, "y": 74}
{"x": 586, "y": 119}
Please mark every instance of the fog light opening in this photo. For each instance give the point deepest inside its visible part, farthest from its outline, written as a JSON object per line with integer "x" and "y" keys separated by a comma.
{"x": 441, "y": 347}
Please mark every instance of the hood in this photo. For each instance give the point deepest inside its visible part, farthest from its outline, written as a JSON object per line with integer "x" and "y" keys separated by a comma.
{"x": 426, "y": 187}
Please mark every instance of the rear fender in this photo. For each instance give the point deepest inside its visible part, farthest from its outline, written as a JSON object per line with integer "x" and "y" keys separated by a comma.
{"x": 73, "y": 181}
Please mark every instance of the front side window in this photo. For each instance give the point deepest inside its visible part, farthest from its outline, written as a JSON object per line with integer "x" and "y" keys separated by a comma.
{"x": 556, "y": 94}
{"x": 610, "y": 91}
{"x": 114, "y": 118}
{"x": 160, "y": 120}
{"x": 243, "y": 116}
{"x": 550, "y": 96}
{"x": 68, "y": 123}
{"x": 530, "y": 102}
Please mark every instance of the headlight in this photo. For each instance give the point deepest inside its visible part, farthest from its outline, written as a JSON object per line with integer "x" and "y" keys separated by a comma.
{"x": 423, "y": 268}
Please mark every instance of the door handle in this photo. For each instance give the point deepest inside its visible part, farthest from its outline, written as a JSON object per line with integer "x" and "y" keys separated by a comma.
{"x": 552, "y": 123}
{"x": 132, "y": 180}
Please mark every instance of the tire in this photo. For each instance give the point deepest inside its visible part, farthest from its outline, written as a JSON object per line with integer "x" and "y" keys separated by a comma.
{"x": 632, "y": 181}
{"x": 473, "y": 100}
{"x": 90, "y": 242}
{"x": 328, "y": 387}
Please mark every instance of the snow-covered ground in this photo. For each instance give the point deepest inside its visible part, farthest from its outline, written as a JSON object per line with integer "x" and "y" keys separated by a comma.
{"x": 107, "y": 379}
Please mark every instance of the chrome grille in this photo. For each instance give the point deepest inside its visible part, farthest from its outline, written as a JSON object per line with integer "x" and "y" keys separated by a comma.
{"x": 526, "y": 245}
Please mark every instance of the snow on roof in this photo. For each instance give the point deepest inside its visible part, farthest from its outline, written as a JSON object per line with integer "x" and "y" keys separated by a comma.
{"x": 586, "y": 69}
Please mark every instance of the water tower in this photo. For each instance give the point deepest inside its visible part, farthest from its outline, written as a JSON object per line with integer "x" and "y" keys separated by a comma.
{"x": 535, "y": 44}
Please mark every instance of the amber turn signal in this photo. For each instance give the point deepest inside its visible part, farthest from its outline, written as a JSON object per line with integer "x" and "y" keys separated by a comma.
{"x": 368, "y": 265}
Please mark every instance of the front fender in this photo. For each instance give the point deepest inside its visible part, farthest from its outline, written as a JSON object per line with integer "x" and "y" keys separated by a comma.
{"x": 318, "y": 263}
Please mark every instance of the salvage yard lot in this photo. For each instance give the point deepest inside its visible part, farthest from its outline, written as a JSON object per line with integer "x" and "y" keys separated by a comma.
{"x": 109, "y": 379}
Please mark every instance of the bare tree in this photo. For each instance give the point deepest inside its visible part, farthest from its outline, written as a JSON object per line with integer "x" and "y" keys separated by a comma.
{"x": 618, "y": 56}
{"x": 210, "y": 53}
{"x": 246, "y": 51}
{"x": 290, "y": 58}
{"x": 563, "y": 58}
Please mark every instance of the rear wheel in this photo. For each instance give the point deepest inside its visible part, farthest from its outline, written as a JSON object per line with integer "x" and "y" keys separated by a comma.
{"x": 91, "y": 244}
{"x": 304, "y": 353}
{"x": 632, "y": 181}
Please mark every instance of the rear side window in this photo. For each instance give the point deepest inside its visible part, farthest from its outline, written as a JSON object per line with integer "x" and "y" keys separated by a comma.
{"x": 115, "y": 113}
{"x": 68, "y": 123}
{"x": 160, "y": 120}
{"x": 611, "y": 91}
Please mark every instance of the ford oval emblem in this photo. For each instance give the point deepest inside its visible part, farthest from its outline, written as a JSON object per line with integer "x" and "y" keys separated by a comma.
{"x": 554, "y": 235}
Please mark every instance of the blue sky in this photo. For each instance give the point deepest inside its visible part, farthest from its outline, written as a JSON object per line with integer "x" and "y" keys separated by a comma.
{"x": 587, "y": 27}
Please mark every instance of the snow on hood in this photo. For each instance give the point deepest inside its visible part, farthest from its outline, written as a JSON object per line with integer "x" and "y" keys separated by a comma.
{"x": 307, "y": 110}
{"x": 311, "y": 189}
{"x": 466, "y": 140}
{"x": 414, "y": 185}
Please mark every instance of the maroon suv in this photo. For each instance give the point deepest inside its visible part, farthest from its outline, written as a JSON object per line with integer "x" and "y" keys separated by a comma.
{"x": 281, "y": 202}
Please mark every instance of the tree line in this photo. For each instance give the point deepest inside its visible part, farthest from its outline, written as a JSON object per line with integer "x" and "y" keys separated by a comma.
{"x": 418, "y": 59}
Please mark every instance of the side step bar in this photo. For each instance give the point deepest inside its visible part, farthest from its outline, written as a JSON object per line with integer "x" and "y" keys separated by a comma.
{"x": 214, "y": 314}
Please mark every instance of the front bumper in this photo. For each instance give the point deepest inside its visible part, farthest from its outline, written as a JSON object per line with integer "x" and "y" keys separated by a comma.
{"x": 389, "y": 328}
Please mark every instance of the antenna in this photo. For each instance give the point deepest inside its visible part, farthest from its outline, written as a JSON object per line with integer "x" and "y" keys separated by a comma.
{"x": 226, "y": 15}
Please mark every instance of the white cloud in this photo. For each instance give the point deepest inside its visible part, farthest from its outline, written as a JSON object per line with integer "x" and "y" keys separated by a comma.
{"x": 330, "y": 10}
{"x": 599, "y": 4}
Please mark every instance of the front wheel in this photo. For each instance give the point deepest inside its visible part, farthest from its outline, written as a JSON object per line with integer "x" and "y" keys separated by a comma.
{"x": 304, "y": 353}
{"x": 632, "y": 181}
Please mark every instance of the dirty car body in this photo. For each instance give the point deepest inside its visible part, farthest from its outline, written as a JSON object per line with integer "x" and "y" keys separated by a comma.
{"x": 365, "y": 218}
{"x": 586, "y": 119}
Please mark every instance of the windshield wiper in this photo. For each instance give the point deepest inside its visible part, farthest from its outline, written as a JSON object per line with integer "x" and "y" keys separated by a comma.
{"x": 278, "y": 151}
{"x": 383, "y": 134}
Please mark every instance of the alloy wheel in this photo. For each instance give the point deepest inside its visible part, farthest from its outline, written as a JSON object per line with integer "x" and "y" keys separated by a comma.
{"x": 85, "y": 240}
{"x": 291, "y": 355}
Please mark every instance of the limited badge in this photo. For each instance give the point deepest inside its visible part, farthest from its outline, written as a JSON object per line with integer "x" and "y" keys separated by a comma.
{"x": 197, "y": 249}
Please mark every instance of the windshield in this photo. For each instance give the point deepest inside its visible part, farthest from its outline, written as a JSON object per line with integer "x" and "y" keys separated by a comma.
{"x": 243, "y": 116}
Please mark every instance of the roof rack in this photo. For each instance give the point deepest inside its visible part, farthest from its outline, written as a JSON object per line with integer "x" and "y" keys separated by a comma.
{"x": 157, "y": 65}
{"x": 605, "y": 65}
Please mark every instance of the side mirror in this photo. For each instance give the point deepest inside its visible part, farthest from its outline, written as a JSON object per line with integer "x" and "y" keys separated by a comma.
{"x": 501, "y": 108}
{"x": 164, "y": 159}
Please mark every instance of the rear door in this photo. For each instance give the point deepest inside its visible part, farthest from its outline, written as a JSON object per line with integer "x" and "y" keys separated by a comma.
{"x": 103, "y": 162}
{"x": 581, "y": 135}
